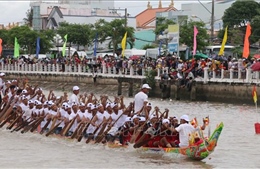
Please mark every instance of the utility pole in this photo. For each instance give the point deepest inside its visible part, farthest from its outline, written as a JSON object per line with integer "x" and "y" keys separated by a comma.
{"x": 120, "y": 15}
{"x": 212, "y": 22}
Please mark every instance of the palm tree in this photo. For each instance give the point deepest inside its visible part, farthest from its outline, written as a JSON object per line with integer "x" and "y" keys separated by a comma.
{"x": 29, "y": 17}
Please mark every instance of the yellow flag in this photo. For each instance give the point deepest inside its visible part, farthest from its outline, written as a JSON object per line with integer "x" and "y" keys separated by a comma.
{"x": 123, "y": 44}
{"x": 221, "y": 52}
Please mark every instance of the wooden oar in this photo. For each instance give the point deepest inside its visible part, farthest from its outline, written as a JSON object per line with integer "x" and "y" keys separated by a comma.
{"x": 75, "y": 133}
{"x": 27, "y": 128}
{"x": 53, "y": 129}
{"x": 85, "y": 129}
{"x": 141, "y": 141}
{"x": 108, "y": 129}
{"x": 37, "y": 124}
{"x": 69, "y": 126}
{"x": 134, "y": 136}
{"x": 99, "y": 135}
{"x": 6, "y": 120}
{"x": 14, "y": 122}
{"x": 45, "y": 126}
{"x": 7, "y": 113}
{"x": 24, "y": 123}
{"x": 95, "y": 131}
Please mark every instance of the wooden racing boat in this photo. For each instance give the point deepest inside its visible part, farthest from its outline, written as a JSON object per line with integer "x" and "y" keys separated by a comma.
{"x": 198, "y": 152}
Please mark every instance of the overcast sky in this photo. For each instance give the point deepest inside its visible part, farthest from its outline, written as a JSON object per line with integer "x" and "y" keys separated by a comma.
{"x": 15, "y": 11}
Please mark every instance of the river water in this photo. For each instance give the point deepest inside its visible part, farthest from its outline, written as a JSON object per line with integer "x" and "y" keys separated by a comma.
{"x": 238, "y": 145}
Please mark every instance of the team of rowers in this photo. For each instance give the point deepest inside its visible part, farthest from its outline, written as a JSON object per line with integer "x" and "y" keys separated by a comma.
{"x": 102, "y": 120}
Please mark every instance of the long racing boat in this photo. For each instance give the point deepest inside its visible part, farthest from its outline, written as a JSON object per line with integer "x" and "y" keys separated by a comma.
{"x": 198, "y": 152}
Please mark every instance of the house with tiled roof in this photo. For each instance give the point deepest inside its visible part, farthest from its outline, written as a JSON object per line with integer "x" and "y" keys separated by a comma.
{"x": 147, "y": 18}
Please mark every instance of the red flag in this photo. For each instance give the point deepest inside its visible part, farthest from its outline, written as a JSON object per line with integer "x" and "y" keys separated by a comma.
{"x": 246, "y": 41}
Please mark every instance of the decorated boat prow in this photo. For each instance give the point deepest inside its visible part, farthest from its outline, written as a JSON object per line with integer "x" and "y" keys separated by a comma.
{"x": 197, "y": 152}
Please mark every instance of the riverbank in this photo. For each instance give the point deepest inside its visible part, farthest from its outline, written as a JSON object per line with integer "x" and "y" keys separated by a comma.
{"x": 225, "y": 92}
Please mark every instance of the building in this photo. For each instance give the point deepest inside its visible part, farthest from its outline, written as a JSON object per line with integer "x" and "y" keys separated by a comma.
{"x": 202, "y": 12}
{"x": 48, "y": 15}
{"x": 147, "y": 18}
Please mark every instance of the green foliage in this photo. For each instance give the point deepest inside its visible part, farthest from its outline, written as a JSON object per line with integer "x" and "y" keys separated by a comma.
{"x": 77, "y": 34}
{"x": 186, "y": 34}
{"x": 29, "y": 17}
{"x": 150, "y": 79}
{"x": 148, "y": 46}
{"x": 240, "y": 13}
{"x": 162, "y": 24}
{"x": 236, "y": 18}
{"x": 115, "y": 31}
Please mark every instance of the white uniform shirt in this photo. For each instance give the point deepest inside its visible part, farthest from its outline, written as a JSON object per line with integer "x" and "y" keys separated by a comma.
{"x": 140, "y": 98}
{"x": 73, "y": 98}
{"x": 184, "y": 131}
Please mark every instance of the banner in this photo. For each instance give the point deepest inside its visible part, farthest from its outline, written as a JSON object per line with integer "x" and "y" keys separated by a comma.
{"x": 95, "y": 45}
{"x": 38, "y": 48}
{"x": 64, "y": 45}
{"x": 1, "y": 47}
{"x": 16, "y": 48}
{"x": 221, "y": 52}
{"x": 123, "y": 44}
{"x": 173, "y": 36}
{"x": 246, "y": 50}
{"x": 195, "y": 30}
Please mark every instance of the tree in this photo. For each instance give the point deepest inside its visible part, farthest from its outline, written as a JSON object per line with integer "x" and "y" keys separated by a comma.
{"x": 162, "y": 24}
{"x": 114, "y": 31}
{"x": 186, "y": 34}
{"x": 29, "y": 17}
{"x": 25, "y": 36}
{"x": 148, "y": 46}
{"x": 4, "y": 36}
{"x": 77, "y": 34}
{"x": 238, "y": 15}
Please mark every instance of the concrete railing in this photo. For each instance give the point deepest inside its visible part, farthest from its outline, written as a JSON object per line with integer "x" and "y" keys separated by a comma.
{"x": 221, "y": 75}
{"x": 230, "y": 76}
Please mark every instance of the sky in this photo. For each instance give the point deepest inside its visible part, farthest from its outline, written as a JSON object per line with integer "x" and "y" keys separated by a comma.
{"x": 15, "y": 10}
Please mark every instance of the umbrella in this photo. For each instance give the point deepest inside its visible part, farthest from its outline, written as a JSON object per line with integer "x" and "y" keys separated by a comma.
{"x": 256, "y": 66}
{"x": 257, "y": 56}
{"x": 134, "y": 57}
{"x": 200, "y": 55}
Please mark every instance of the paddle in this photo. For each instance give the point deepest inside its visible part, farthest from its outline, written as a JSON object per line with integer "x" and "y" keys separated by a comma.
{"x": 14, "y": 122}
{"x": 54, "y": 128}
{"x": 141, "y": 142}
{"x": 45, "y": 126}
{"x": 108, "y": 129}
{"x": 85, "y": 129}
{"x": 37, "y": 124}
{"x": 27, "y": 128}
{"x": 75, "y": 133}
{"x": 24, "y": 123}
{"x": 99, "y": 135}
{"x": 69, "y": 126}
{"x": 6, "y": 120}
{"x": 89, "y": 138}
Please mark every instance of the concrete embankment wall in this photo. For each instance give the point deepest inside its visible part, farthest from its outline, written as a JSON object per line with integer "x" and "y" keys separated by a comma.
{"x": 213, "y": 92}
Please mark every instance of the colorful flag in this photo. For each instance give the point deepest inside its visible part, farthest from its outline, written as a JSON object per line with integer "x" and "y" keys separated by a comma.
{"x": 64, "y": 45}
{"x": 123, "y": 44}
{"x": 1, "y": 48}
{"x": 95, "y": 45}
{"x": 246, "y": 41}
{"x": 38, "y": 48}
{"x": 254, "y": 94}
{"x": 16, "y": 48}
{"x": 195, "y": 40}
{"x": 221, "y": 52}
